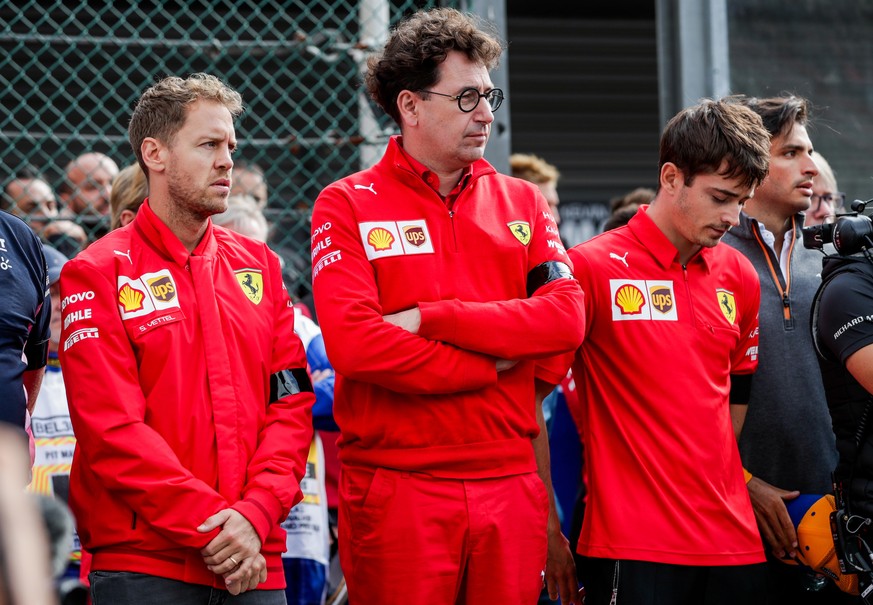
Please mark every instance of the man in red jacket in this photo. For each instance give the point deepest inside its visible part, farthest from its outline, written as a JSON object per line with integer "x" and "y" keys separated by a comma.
{"x": 443, "y": 292}
{"x": 187, "y": 385}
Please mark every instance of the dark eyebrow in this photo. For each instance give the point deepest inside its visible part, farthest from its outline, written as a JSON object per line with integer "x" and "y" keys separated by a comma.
{"x": 730, "y": 194}
{"x": 726, "y": 192}
{"x": 795, "y": 147}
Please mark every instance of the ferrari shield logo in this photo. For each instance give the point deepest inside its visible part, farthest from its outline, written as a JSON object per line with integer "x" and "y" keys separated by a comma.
{"x": 727, "y": 304}
{"x": 521, "y": 231}
{"x": 252, "y": 283}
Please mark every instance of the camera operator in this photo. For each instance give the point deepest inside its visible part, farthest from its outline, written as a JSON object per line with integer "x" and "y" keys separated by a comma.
{"x": 842, "y": 326}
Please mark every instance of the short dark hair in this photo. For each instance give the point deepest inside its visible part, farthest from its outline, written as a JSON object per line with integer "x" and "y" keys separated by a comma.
{"x": 779, "y": 114}
{"x": 717, "y": 137}
{"x": 416, "y": 48}
{"x": 620, "y": 217}
{"x": 635, "y": 197}
{"x": 28, "y": 172}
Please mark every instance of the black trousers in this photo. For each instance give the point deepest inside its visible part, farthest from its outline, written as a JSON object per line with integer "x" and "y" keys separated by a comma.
{"x": 645, "y": 583}
{"x": 126, "y": 588}
{"x": 791, "y": 585}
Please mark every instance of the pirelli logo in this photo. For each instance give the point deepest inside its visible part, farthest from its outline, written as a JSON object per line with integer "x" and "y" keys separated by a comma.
{"x": 80, "y": 335}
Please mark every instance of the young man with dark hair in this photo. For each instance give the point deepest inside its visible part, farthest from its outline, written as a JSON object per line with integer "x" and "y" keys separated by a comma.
{"x": 663, "y": 372}
{"x": 787, "y": 445}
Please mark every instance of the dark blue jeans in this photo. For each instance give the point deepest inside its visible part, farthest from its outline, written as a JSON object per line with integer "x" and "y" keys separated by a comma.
{"x": 126, "y": 588}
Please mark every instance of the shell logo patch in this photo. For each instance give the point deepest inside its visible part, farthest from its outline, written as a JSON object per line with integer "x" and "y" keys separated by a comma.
{"x": 130, "y": 299}
{"x": 380, "y": 238}
{"x": 630, "y": 300}
{"x": 642, "y": 299}
{"x": 395, "y": 238}
{"x": 251, "y": 281}
{"x": 728, "y": 304}
{"x": 521, "y": 231}
{"x": 414, "y": 234}
{"x": 146, "y": 294}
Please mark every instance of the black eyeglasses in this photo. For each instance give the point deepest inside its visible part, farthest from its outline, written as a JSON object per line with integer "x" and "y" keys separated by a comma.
{"x": 836, "y": 200}
{"x": 469, "y": 98}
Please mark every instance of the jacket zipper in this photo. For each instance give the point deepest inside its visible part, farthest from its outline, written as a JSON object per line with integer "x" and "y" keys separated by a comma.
{"x": 785, "y": 294}
{"x": 452, "y": 212}
{"x": 452, "y": 223}
{"x": 691, "y": 298}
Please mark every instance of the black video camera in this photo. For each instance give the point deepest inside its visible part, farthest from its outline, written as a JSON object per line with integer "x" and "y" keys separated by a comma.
{"x": 850, "y": 233}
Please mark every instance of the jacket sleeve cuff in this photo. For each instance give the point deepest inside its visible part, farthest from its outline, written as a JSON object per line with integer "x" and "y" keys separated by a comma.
{"x": 438, "y": 320}
{"x": 553, "y": 369}
{"x": 262, "y": 509}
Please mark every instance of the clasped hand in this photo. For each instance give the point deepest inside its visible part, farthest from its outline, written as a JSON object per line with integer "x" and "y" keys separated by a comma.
{"x": 235, "y": 553}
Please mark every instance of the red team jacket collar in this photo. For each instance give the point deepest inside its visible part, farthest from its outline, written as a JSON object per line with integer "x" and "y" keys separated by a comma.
{"x": 400, "y": 159}
{"x": 166, "y": 241}
{"x": 661, "y": 248}
{"x": 430, "y": 177}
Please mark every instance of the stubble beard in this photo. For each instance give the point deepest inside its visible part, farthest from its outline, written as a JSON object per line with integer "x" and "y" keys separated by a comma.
{"x": 700, "y": 238}
{"x": 191, "y": 202}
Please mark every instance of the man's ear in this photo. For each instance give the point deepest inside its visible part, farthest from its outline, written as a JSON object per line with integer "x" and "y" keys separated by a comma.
{"x": 408, "y": 106}
{"x": 154, "y": 154}
{"x": 672, "y": 179}
{"x": 126, "y": 217}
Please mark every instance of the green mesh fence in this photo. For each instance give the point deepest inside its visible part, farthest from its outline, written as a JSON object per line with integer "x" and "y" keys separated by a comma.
{"x": 71, "y": 72}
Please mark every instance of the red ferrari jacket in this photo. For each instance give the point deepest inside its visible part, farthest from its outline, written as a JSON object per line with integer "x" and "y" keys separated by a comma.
{"x": 168, "y": 358}
{"x": 384, "y": 241}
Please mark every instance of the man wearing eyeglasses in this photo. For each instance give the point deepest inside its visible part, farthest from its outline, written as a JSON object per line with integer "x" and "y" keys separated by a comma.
{"x": 826, "y": 199}
{"x": 787, "y": 445}
{"x": 443, "y": 292}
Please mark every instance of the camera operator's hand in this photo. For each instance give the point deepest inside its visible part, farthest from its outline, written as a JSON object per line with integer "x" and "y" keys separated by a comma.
{"x": 772, "y": 516}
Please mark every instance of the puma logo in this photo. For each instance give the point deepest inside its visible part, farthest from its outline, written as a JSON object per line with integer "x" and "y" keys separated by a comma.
{"x": 127, "y": 254}
{"x": 621, "y": 258}
{"x": 367, "y": 187}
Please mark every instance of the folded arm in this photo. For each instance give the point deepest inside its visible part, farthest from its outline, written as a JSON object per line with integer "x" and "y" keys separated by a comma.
{"x": 360, "y": 344}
